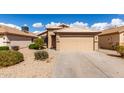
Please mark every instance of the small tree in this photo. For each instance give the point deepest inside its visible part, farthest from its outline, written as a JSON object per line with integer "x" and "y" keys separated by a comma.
{"x": 39, "y": 42}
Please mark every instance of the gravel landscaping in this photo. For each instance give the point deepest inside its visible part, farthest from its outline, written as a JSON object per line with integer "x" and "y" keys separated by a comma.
{"x": 29, "y": 68}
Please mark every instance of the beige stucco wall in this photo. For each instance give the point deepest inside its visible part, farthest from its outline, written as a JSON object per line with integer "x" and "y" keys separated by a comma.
{"x": 122, "y": 39}
{"x": 57, "y": 42}
{"x": 50, "y": 33}
{"x": 19, "y": 40}
{"x": 84, "y": 43}
{"x": 107, "y": 41}
{"x": 95, "y": 46}
{"x": 4, "y": 40}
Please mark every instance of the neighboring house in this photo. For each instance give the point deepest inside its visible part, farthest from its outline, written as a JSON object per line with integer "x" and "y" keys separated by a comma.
{"x": 111, "y": 37}
{"x": 65, "y": 38}
{"x": 14, "y": 37}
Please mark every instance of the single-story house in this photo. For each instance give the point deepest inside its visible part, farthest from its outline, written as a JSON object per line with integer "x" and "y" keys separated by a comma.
{"x": 111, "y": 37}
{"x": 13, "y": 37}
{"x": 65, "y": 38}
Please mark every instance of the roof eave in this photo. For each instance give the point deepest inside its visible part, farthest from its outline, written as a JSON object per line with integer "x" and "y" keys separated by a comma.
{"x": 42, "y": 33}
{"x": 7, "y": 33}
{"x": 109, "y": 33}
{"x": 83, "y": 33}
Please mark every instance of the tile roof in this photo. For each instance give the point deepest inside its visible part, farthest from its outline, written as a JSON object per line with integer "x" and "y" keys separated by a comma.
{"x": 42, "y": 33}
{"x": 14, "y": 31}
{"x": 73, "y": 29}
{"x": 57, "y": 27}
{"x": 112, "y": 30}
{"x": 67, "y": 29}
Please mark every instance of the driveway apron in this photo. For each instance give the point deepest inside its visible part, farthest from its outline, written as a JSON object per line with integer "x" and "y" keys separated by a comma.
{"x": 76, "y": 65}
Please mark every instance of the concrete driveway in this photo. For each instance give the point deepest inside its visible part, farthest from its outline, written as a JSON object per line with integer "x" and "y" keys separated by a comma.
{"x": 88, "y": 65}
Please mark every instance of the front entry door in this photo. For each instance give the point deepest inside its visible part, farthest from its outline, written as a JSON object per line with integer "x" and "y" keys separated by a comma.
{"x": 53, "y": 41}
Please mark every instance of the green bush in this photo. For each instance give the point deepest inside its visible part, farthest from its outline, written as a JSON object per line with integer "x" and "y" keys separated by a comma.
{"x": 16, "y": 48}
{"x": 120, "y": 49}
{"x": 41, "y": 55}
{"x": 8, "y": 58}
{"x": 4, "y": 48}
{"x": 33, "y": 46}
{"x": 39, "y": 42}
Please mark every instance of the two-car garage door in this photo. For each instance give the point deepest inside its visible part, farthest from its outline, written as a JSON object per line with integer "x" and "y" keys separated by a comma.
{"x": 76, "y": 43}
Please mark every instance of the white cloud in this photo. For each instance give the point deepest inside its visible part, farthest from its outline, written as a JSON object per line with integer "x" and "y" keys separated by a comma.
{"x": 37, "y": 25}
{"x": 11, "y": 25}
{"x": 75, "y": 24}
{"x": 25, "y": 25}
{"x": 96, "y": 26}
{"x": 117, "y": 22}
{"x": 79, "y": 24}
{"x": 53, "y": 24}
{"x": 37, "y": 32}
{"x": 102, "y": 26}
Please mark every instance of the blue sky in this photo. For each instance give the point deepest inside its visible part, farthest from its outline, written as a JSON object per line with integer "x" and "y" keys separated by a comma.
{"x": 86, "y": 19}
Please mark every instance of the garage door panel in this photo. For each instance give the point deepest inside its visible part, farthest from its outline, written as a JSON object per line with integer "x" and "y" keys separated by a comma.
{"x": 76, "y": 43}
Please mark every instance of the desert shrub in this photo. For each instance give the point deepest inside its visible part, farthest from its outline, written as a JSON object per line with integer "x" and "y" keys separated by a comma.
{"x": 113, "y": 47}
{"x": 120, "y": 49}
{"x": 4, "y": 48}
{"x": 39, "y": 42}
{"x": 41, "y": 55}
{"x": 16, "y": 48}
{"x": 33, "y": 46}
{"x": 8, "y": 58}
